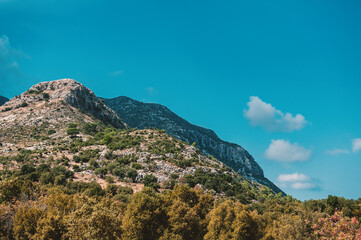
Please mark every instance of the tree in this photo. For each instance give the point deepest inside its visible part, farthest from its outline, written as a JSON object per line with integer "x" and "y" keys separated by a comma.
{"x": 338, "y": 227}
{"x": 73, "y": 130}
{"x": 46, "y": 96}
{"x": 90, "y": 128}
{"x": 145, "y": 217}
{"x": 25, "y": 221}
{"x": 186, "y": 210}
{"x": 151, "y": 181}
{"x": 132, "y": 174}
{"x": 94, "y": 220}
{"x": 231, "y": 220}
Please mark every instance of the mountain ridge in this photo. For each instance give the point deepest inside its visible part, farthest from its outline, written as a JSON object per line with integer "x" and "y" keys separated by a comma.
{"x": 152, "y": 115}
{"x": 3, "y": 100}
{"x": 59, "y": 122}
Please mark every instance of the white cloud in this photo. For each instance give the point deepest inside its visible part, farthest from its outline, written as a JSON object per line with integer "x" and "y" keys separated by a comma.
{"x": 116, "y": 73}
{"x": 263, "y": 114}
{"x": 337, "y": 151}
{"x": 284, "y": 151}
{"x": 294, "y": 177}
{"x": 296, "y": 181}
{"x": 356, "y": 144}
{"x": 10, "y": 73}
{"x": 151, "y": 91}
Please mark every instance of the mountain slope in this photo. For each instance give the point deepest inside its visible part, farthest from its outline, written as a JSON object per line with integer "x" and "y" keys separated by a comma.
{"x": 61, "y": 124}
{"x": 3, "y": 100}
{"x": 148, "y": 115}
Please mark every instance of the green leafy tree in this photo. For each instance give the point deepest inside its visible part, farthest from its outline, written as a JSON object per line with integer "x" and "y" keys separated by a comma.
{"x": 145, "y": 217}
{"x": 73, "y": 130}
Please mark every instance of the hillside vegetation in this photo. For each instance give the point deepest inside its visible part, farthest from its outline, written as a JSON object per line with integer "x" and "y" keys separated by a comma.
{"x": 71, "y": 169}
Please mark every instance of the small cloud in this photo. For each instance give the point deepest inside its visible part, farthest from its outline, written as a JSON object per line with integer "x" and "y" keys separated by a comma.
{"x": 263, "y": 114}
{"x": 356, "y": 144}
{"x": 284, "y": 151}
{"x": 294, "y": 177}
{"x": 151, "y": 90}
{"x": 337, "y": 151}
{"x": 10, "y": 73}
{"x": 298, "y": 181}
{"x": 116, "y": 73}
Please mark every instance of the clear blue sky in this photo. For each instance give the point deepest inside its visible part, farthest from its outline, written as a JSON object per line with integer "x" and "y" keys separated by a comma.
{"x": 204, "y": 60}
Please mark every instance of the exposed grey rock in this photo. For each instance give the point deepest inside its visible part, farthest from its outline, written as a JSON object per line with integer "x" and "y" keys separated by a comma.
{"x": 79, "y": 96}
{"x": 149, "y": 115}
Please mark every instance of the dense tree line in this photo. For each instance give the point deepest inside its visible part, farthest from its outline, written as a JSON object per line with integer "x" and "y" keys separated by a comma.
{"x": 36, "y": 211}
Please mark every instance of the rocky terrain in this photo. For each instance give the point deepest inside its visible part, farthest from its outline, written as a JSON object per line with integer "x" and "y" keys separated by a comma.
{"x": 3, "y": 100}
{"x": 149, "y": 115}
{"x": 52, "y": 106}
{"x": 63, "y": 125}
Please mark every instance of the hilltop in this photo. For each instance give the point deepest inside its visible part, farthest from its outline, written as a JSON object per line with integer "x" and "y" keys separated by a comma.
{"x": 52, "y": 106}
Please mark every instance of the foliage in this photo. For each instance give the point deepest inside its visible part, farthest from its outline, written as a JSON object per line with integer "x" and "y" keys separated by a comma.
{"x": 338, "y": 227}
{"x": 73, "y": 130}
{"x": 231, "y": 220}
{"x": 90, "y": 128}
{"x": 151, "y": 181}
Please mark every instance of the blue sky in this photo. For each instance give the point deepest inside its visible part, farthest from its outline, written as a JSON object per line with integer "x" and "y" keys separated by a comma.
{"x": 280, "y": 78}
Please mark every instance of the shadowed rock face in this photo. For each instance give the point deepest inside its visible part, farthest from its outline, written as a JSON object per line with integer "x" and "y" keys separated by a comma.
{"x": 3, "y": 100}
{"x": 148, "y": 115}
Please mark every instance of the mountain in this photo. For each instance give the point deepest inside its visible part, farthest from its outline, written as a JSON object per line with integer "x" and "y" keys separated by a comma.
{"x": 82, "y": 142}
{"x": 3, "y": 100}
{"x": 149, "y": 115}
{"x": 52, "y": 106}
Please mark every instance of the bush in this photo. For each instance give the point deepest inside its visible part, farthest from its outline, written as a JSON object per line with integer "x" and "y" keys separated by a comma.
{"x": 76, "y": 168}
{"x": 51, "y": 131}
{"x": 26, "y": 169}
{"x": 101, "y": 172}
{"x": 46, "y": 178}
{"x": 109, "y": 155}
{"x": 34, "y": 91}
{"x": 151, "y": 181}
{"x": 23, "y": 104}
{"x": 90, "y": 128}
{"x": 137, "y": 166}
{"x": 174, "y": 176}
{"x": 73, "y": 130}
{"x": 119, "y": 172}
{"x": 132, "y": 174}
{"x": 94, "y": 189}
{"x": 46, "y": 96}
{"x": 86, "y": 156}
{"x": 60, "y": 180}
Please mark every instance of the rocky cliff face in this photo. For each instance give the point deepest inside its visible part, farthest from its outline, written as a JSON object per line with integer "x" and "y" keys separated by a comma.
{"x": 80, "y": 97}
{"x": 147, "y": 115}
{"x": 52, "y": 106}
{"x": 3, "y": 100}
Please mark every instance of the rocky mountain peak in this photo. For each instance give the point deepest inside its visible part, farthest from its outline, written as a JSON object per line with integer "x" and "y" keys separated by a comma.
{"x": 53, "y": 105}
{"x": 79, "y": 96}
